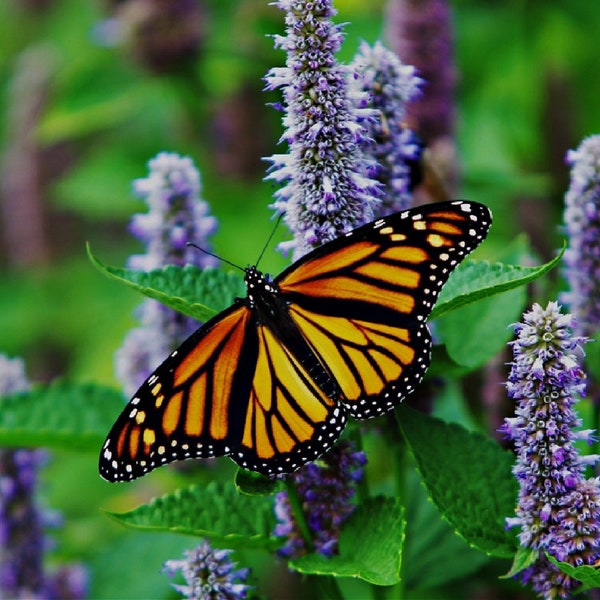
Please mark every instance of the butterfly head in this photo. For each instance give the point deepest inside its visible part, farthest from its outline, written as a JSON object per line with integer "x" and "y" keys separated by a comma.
{"x": 258, "y": 284}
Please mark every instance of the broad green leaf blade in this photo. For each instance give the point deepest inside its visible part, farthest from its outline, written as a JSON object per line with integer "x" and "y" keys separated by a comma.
{"x": 434, "y": 554}
{"x": 370, "y": 545}
{"x": 198, "y": 293}
{"x": 255, "y": 484}
{"x": 215, "y": 511}
{"x": 60, "y": 415}
{"x": 475, "y": 333}
{"x": 587, "y": 574}
{"x": 468, "y": 477}
{"x": 475, "y": 280}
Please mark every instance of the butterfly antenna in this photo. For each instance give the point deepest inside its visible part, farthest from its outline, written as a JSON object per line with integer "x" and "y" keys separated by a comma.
{"x": 269, "y": 240}
{"x": 219, "y": 258}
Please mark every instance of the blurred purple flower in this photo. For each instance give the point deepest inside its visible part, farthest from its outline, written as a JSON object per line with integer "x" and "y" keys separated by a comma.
{"x": 388, "y": 86}
{"x": 558, "y": 509}
{"x": 22, "y": 522}
{"x": 327, "y": 191}
{"x": 162, "y": 36}
{"x": 67, "y": 583}
{"x": 209, "y": 573}
{"x": 177, "y": 215}
{"x": 325, "y": 489}
{"x": 421, "y": 34}
{"x": 582, "y": 224}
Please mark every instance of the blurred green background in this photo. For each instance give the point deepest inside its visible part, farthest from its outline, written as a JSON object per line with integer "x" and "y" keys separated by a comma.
{"x": 86, "y": 101}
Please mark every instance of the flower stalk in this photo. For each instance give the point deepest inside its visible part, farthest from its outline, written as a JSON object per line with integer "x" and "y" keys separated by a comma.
{"x": 386, "y": 85}
{"x": 582, "y": 225}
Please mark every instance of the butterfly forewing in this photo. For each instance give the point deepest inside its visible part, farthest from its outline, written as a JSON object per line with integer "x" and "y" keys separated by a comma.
{"x": 187, "y": 408}
{"x": 391, "y": 270}
{"x": 270, "y": 381}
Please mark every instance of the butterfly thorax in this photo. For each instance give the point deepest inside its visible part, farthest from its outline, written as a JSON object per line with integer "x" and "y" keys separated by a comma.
{"x": 271, "y": 310}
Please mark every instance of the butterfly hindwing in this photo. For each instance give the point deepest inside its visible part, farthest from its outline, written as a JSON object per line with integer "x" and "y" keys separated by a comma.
{"x": 290, "y": 420}
{"x": 375, "y": 365}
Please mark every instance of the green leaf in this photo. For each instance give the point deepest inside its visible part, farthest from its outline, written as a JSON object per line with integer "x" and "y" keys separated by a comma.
{"x": 370, "y": 545}
{"x": 475, "y": 280}
{"x": 201, "y": 293}
{"x": 198, "y": 293}
{"x": 433, "y": 553}
{"x": 524, "y": 558}
{"x": 255, "y": 484}
{"x": 587, "y": 574}
{"x": 60, "y": 415}
{"x": 216, "y": 511}
{"x": 475, "y": 333}
{"x": 468, "y": 477}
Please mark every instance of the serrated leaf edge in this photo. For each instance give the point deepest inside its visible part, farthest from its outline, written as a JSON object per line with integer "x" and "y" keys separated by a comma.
{"x": 196, "y": 310}
{"x": 532, "y": 273}
{"x": 572, "y": 570}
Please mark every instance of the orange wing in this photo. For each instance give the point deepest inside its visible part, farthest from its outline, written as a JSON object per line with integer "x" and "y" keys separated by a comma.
{"x": 374, "y": 365}
{"x": 389, "y": 271}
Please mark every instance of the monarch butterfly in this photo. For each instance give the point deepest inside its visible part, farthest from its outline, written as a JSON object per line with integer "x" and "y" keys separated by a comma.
{"x": 270, "y": 381}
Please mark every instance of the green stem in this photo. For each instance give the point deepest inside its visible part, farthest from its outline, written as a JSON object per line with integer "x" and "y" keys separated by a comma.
{"x": 329, "y": 587}
{"x": 400, "y": 482}
{"x": 400, "y": 464}
{"x": 379, "y": 592}
{"x": 298, "y": 512}
{"x": 362, "y": 486}
{"x": 595, "y": 396}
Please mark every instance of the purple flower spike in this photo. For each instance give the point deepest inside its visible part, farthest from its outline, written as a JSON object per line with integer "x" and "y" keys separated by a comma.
{"x": 582, "y": 224}
{"x": 209, "y": 573}
{"x": 558, "y": 509}
{"x": 326, "y": 187}
{"x": 22, "y": 521}
{"x": 326, "y": 493}
{"x": 177, "y": 215}
{"x": 389, "y": 86}
{"x": 21, "y": 531}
